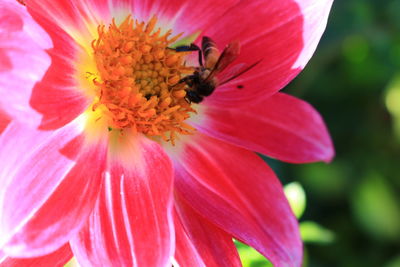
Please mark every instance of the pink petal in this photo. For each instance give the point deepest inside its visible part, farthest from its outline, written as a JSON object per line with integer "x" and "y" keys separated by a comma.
{"x": 58, "y": 96}
{"x": 23, "y": 60}
{"x": 315, "y": 13}
{"x": 236, "y": 190}
{"x": 132, "y": 223}
{"x": 4, "y": 120}
{"x": 57, "y": 258}
{"x": 49, "y": 182}
{"x": 16, "y": 20}
{"x": 200, "y": 243}
{"x": 76, "y": 17}
{"x": 281, "y": 33}
{"x": 281, "y": 127}
{"x": 187, "y": 16}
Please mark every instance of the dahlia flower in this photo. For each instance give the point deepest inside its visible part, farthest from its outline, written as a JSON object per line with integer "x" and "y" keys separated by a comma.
{"x": 104, "y": 157}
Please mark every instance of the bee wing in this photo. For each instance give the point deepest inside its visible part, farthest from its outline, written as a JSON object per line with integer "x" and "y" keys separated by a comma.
{"x": 230, "y": 53}
{"x": 225, "y": 76}
{"x": 236, "y": 71}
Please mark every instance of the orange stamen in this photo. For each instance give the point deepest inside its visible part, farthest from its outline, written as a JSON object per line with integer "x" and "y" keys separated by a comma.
{"x": 140, "y": 79}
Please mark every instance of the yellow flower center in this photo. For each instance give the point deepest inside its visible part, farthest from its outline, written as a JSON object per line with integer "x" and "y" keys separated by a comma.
{"x": 138, "y": 80}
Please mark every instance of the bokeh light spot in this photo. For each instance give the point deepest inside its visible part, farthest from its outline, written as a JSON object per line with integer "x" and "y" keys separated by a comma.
{"x": 297, "y": 198}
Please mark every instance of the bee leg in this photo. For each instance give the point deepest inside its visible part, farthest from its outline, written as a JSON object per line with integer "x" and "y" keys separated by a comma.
{"x": 192, "y": 96}
{"x": 191, "y": 47}
{"x": 187, "y": 79}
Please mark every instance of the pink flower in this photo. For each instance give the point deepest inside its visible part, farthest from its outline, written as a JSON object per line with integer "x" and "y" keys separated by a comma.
{"x": 103, "y": 156}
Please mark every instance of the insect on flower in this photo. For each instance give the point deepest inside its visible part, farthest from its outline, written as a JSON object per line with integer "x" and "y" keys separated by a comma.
{"x": 203, "y": 81}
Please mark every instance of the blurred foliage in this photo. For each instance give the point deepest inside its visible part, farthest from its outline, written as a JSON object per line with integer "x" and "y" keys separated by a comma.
{"x": 72, "y": 263}
{"x": 354, "y": 81}
{"x": 297, "y": 198}
{"x": 250, "y": 257}
{"x": 312, "y": 232}
{"x": 376, "y": 209}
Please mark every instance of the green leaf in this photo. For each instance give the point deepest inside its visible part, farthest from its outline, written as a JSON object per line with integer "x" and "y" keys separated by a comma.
{"x": 312, "y": 232}
{"x": 297, "y": 198}
{"x": 376, "y": 208}
{"x": 72, "y": 263}
{"x": 394, "y": 262}
{"x": 186, "y": 40}
{"x": 250, "y": 257}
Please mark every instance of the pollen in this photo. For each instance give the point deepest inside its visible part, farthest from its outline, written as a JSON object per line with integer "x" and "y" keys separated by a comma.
{"x": 137, "y": 84}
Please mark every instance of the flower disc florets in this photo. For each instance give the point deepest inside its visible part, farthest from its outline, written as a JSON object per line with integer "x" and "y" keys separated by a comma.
{"x": 138, "y": 81}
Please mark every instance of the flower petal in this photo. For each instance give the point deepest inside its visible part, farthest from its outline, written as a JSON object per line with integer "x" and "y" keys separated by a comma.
{"x": 49, "y": 182}
{"x": 187, "y": 16}
{"x": 281, "y": 127}
{"x": 23, "y": 60}
{"x": 315, "y": 13}
{"x": 4, "y": 120}
{"x": 237, "y": 191}
{"x": 283, "y": 34}
{"x": 132, "y": 223}
{"x": 78, "y": 18}
{"x": 199, "y": 242}
{"x": 57, "y": 258}
{"x": 58, "y": 97}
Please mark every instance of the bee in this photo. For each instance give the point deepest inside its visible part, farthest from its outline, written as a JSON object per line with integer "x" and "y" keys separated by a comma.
{"x": 203, "y": 81}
